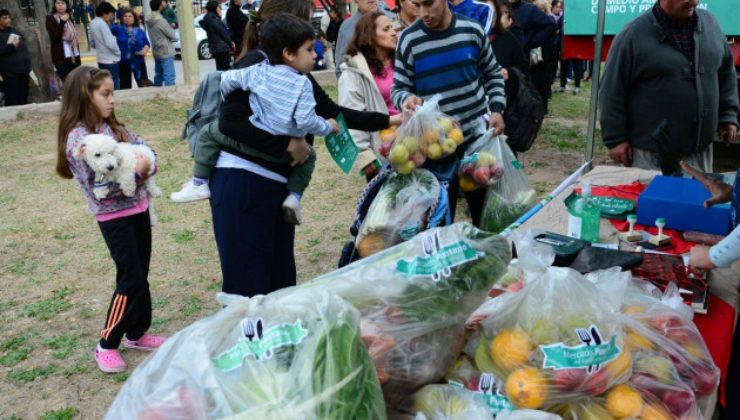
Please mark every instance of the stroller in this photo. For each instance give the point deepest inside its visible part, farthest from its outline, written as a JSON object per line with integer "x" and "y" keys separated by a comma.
{"x": 436, "y": 213}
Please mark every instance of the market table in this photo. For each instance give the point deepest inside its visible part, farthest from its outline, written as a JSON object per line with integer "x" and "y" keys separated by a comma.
{"x": 718, "y": 324}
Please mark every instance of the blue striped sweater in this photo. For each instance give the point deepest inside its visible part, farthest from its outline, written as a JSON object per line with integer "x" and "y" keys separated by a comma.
{"x": 282, "y": 99}
{"x": 457, "y": 63}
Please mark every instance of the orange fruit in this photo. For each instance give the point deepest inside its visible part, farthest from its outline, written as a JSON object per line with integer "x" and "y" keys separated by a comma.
{"x": 635, "y": 341}
{"x": 527, "y": 388}
{"x": 623, "y": 401}
{"x": 456, "y": 134}
{"x": 467, "y": 184}
{"x": 389, "y": 134}
{"x": 620, "y": 367}
{"x": 655, "y": 412}
{"x": 511, "y": 349}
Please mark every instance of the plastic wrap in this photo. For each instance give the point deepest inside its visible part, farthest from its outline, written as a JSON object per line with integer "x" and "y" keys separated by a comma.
{"x": 399, "y": 211}
{"x": 414, "y": 299}
{"x": 296, "y": 355}
{"x": 555, "y": 340}
{"x": 445, "y": 402}
{"x": 427, "y": 134}
{"x": 511, "y": 196}
{"x": 479, "y": 167}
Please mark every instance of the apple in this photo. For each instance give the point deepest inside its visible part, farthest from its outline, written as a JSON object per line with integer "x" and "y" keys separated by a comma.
{"x": 399, "y": 155}
{"x": 406, "y": 168}
{"x": 445, "y": 124}
{"x": 449, "y": 146}
{"x": 385, "y": 149}
{"x": 679, "y": 335}
{"x": 482, "y": 175}
{"x": 569, "y": 380}
{"x": 486, "y": 159}
{"x": 705, "y": 380}
{"x": 418, "y": 158}
{"x": 497, "y": 172}
{"x": 647, "y": 384}
{"x": 679, "y": 401}
{"x": 411, "y": 144}
{"x": 430, "y": 137}
{"x": 456, "y": 134}
{"x": 468, "y": 170}
{"x": 467, "y": 184}
{"x": 388, "y": 135}
{"x": 434, "y": 151}
{"x": 596, "y": 384}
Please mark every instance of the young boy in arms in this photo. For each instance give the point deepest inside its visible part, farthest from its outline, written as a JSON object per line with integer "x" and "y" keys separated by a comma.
{"x": 283, "y": 103}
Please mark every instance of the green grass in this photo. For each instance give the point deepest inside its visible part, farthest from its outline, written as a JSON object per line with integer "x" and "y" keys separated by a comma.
{"x": 29, "y": 375}
{"x": 14, "y": 351}
{"x": 48, "y": 308}
{"x": 63, "y": 345}
{"x": 192, "y": 305}
{"x": 62, "y": 414}
{"x": 183, "y": 236}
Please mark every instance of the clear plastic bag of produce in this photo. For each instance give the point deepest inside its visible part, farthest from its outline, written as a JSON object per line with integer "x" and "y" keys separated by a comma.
{"x": 296, "y": 355}
{"x": 426, "y": 134}
{"x": 479, "y": 167}
{"x": 555, "y": 340}
{"x": 445, "y": 402}
{"x": 653, "y": 327}
{"x": 399, "y": 211}
{"x": 414, "y": 299}
{"x": 532, "y": 260}
{"x": 485, "y": 385}
{"x": 511, "y": 196}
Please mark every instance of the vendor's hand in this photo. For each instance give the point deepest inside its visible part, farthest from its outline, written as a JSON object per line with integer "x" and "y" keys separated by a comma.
{"x": 622, "y": 153}
{"x": 699, "y": 259}
{"x": 142, "y": 166}
{"x": 334, "y": 125}
{"x": 496, "y": 122}
{"x": 298, "y": 149}
{"x": 727, "y": 132}
{"x": 411, "y": 103}
{"x": 505, "y": 74}
{"x": 721, "y": 192}
{"x": 395, "y": 120}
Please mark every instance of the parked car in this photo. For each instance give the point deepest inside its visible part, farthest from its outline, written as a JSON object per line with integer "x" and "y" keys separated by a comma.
{"x": 201, "y": 41}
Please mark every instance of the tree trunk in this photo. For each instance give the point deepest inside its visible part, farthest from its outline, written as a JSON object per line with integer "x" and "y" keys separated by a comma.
{"x": 39, "y": 47}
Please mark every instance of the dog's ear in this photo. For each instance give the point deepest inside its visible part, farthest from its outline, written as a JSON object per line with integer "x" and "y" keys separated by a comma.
{"x": 79, "y": 151}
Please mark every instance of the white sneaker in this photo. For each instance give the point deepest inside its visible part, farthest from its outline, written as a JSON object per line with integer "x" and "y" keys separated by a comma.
{"x": 577, "y": 91}
{"x": 562, "y": 89}
{"x": 292, "y": 210}
{"x": 190, "y": 192}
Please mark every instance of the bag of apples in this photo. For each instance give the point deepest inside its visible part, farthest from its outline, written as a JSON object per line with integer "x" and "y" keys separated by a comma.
{"x": 556, "y": 340}
{"x": 479, "y": 167}
{"x": 427, "y": 134}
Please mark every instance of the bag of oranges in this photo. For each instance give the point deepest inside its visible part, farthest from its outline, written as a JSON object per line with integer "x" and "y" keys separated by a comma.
{"x": 427, "y": 134}
{"x": 479, "y": 167}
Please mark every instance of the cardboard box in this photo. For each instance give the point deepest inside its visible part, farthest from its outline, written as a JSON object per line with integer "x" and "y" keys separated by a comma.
{"x": 680, "y": 201}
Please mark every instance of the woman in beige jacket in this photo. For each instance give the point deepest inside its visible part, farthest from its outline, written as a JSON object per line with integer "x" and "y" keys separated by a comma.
{"x": 366, "y": 81}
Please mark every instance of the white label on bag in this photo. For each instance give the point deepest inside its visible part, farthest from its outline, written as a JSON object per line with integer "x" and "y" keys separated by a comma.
{"x": 574, "y": 226}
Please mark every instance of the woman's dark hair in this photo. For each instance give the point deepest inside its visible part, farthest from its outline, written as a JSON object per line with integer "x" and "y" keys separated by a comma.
{"x": 268, "y": 9}
{"x": 284, "y": 31}
{"x": 53, "y": 8}
{"x": 211, "y": 6}
{"x": 129, "y": 10}
{"x": 104, "y": 8}
{"x": 4, "y": 12}
{"x": 498, "y": 4}
{"x": 155, "y": 5}
{"x": 363, "y": 42}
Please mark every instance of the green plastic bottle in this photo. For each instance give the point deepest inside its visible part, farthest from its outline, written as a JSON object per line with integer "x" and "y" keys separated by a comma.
{"x": 585, "y": 216}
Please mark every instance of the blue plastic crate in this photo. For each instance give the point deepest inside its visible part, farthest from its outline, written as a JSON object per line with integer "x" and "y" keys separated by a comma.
{"x": 680, "y": 201}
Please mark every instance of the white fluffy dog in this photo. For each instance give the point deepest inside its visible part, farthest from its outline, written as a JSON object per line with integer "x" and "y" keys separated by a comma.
{"x": 114, "y": 161}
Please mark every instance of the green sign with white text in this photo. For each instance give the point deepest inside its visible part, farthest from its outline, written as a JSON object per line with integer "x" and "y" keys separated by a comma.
{"x": 580, "y": 15}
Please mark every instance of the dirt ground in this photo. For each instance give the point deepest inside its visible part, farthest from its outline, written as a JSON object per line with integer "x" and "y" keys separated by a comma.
{"x": 57, "y": 277}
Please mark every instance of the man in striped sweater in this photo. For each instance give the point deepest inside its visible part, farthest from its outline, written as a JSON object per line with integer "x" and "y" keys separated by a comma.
{"x": 448, "y": 54}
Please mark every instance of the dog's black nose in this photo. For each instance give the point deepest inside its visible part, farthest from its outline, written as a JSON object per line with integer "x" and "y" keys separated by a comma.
{"x": 110, "y": 167}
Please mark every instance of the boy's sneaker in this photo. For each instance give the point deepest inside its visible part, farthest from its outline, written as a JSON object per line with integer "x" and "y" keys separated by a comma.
{"x": 109, "y": 360}
{"x": 562, "y": 89}
{"x": 191, "y": 192}
{"x": 577, "y": 91}
{"x": 292, "y": 210}
{"x": 147, "y": 342}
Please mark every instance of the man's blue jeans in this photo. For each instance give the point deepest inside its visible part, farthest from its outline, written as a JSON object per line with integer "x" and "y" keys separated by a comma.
{"x": 164, "y": 71}
{"x": 113, "y": 69}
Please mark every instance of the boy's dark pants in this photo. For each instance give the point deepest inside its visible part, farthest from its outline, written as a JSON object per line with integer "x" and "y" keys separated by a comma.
{"x": 129, "y": 240}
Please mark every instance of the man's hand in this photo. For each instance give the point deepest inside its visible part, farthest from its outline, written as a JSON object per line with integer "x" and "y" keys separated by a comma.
{"x": 395, "y": 120}
{"x": 334, "y": 125}
{"x": 411, "y": 103}
{"x": 699, "y": 259}
{"x": 727, "y": 132}
{"x": 496, "y": 122}
{"x": 505, "y": 73}
{"x": 721, "y": 192}
{"x": 298, "y": 149}
{"x": 622, "y": 153}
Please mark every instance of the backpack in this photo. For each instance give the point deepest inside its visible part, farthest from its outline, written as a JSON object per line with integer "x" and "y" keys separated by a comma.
{"x": 524, "y": 117}
{"x": 206, "y": 104}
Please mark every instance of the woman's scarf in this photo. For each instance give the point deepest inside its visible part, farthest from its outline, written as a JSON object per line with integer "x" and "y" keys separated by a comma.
{"x": 69, "y": 35}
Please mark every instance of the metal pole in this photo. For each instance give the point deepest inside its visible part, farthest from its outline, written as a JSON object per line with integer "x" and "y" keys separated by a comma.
{"x": 594, "y": 104}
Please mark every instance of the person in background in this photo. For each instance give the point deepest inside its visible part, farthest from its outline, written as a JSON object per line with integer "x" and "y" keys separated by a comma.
{"x": 320, "y": 48}
{"x": 542, "y": 70}
{"x": 366, "y": 81}
{"x": 103, "y": 41}
{"x": 65, "y": 49}
{"x": 119, "y": 13}
{"x": 347, "y": 30}
{"x": 15, "y": 62}
{"x": 332, "y": 34}
{"x": 162, "y": 37}
{"x": 557, "y": 13}
{"x": 219, "y": 41}
{"x": 479, "y": 11}
{"x": 532, "y": 26}
{"x": 88, "y": 107}
{"x": 508, "y": 50}
{"x": 169, "y": 15}
{"x": 236, "y": 21}
{"x": 406, "y": 14}
{"x": 653, "y": 76}
{"x": 134, "y": 45}
{"x": 722, "y": 255}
